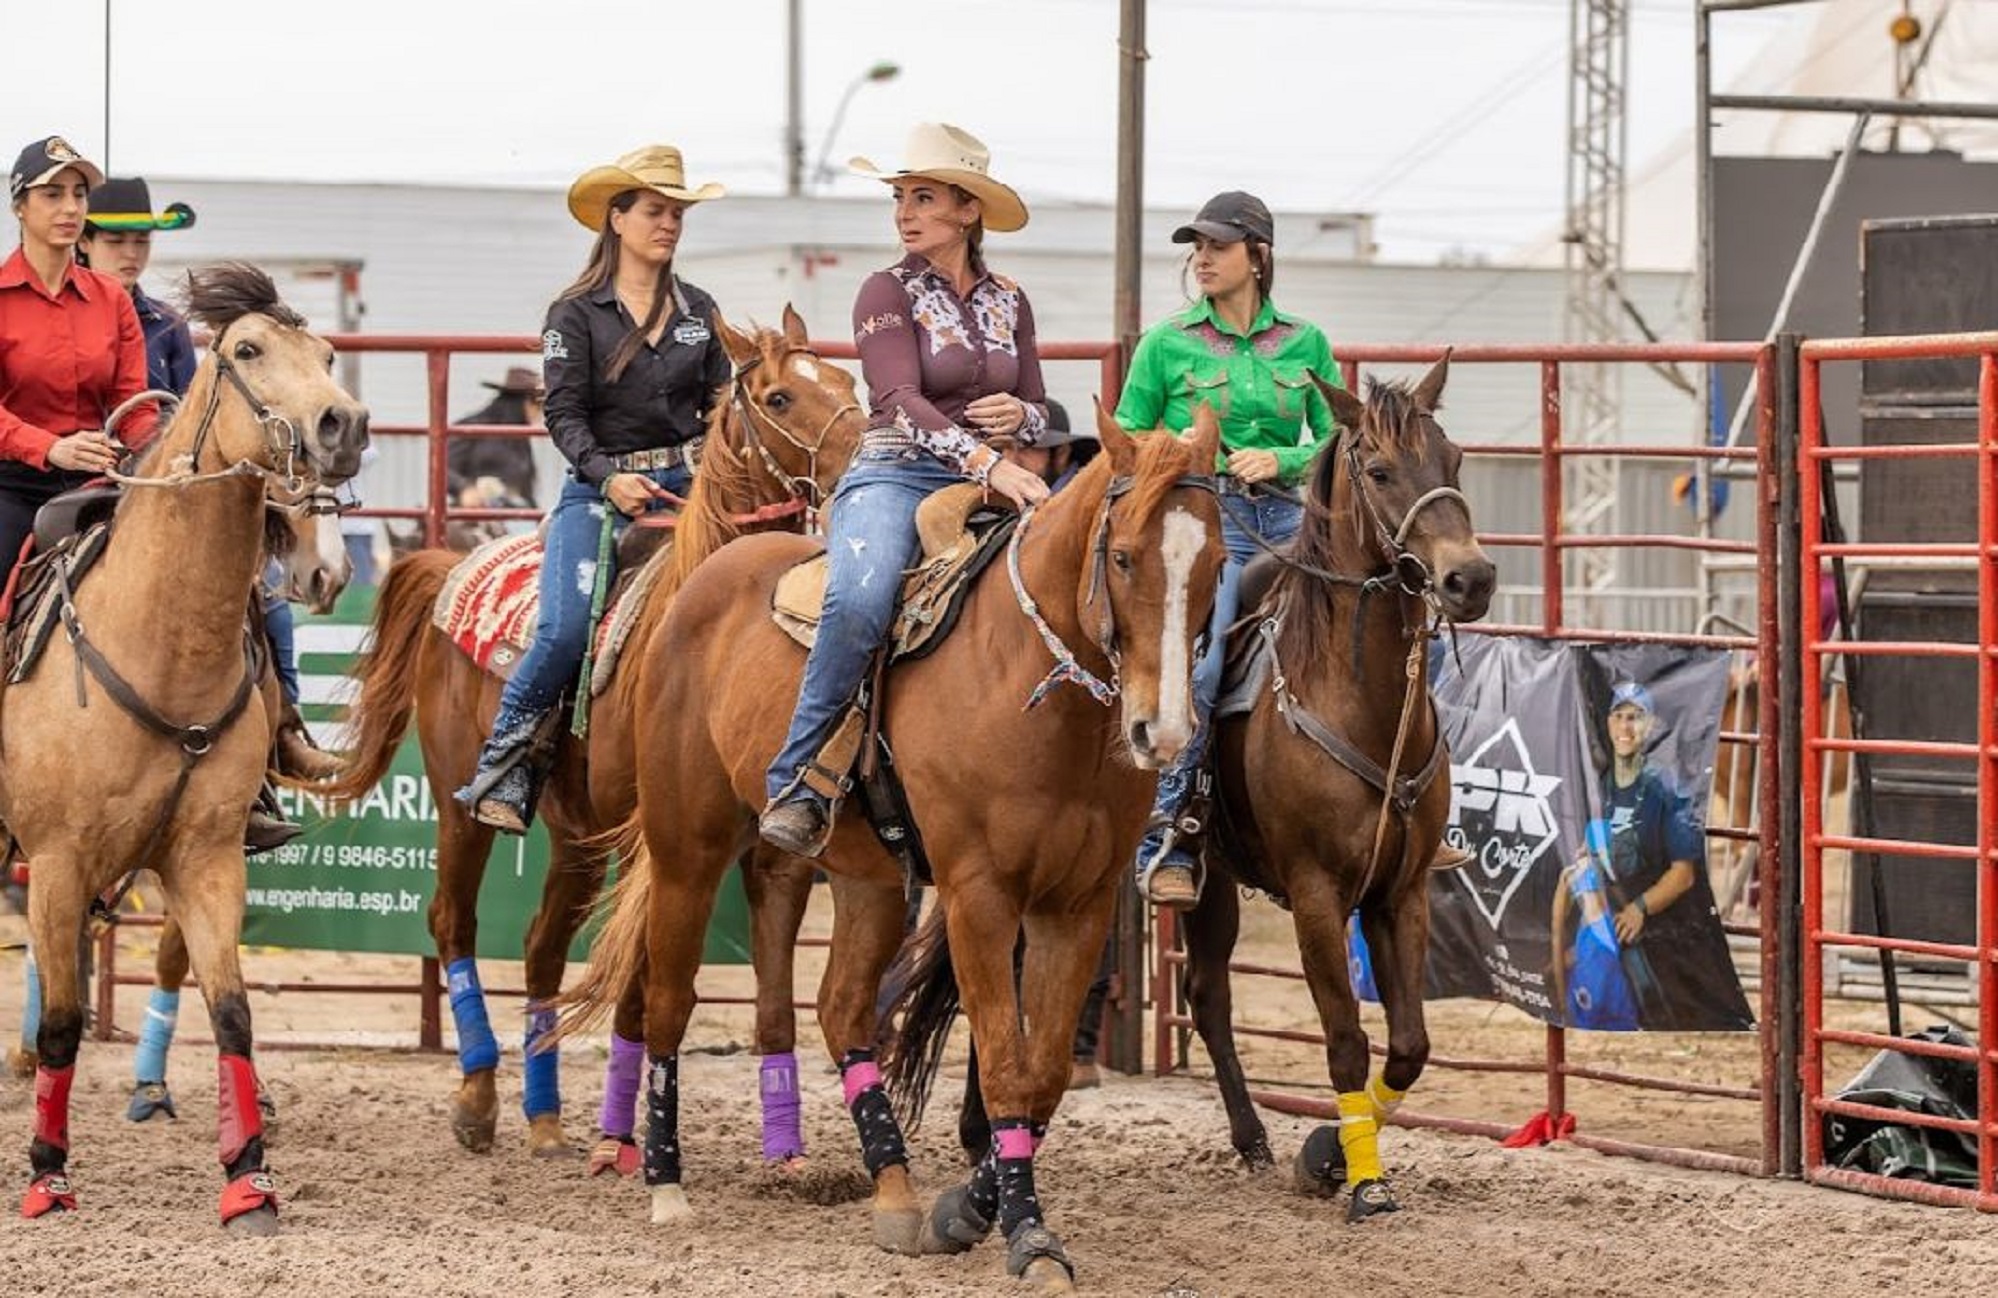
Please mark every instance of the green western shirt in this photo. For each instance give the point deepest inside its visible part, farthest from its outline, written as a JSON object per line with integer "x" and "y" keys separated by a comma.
{"x": 1260, "y": 385}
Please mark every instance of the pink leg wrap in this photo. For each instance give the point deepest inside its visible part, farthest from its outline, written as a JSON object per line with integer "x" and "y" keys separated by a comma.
{"x": 858, "y": 1078}
{"x": 1015, "y": 1142}
{"x": 238, "y": 1120}
{"x": 52, "y": 1105}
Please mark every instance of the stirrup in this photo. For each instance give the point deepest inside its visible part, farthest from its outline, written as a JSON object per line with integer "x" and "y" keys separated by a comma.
{"x": 798, "y": 825}
{"x": 1170, "y": 859}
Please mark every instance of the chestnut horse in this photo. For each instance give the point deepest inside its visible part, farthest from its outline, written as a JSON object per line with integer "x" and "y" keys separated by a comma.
{"x": 777, "y": 442}
{"x": 1030, "y": 816}
{"x": 158, "y": 683}
{"x": 1300, "y": 808}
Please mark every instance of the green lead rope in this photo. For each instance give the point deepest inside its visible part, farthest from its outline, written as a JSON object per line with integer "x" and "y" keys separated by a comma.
{"x": 579, "y": 726}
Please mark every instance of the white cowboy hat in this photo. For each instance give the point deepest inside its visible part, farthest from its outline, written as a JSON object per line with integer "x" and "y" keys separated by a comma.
{"x": 945, "y": 153}
{"x": 656, "y": 167}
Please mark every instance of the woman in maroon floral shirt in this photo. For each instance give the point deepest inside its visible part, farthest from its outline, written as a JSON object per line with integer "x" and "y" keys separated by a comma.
{"x": 947, "y": 349}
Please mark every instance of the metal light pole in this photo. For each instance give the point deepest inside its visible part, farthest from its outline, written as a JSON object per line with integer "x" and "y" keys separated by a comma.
{"x": 1128, "y": 320}
{"x": 794, "y": 91}
{"x": 881, "y": 71}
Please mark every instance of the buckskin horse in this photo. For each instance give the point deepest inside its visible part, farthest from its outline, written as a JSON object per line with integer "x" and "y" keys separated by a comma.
{"x": 1029, "y": 815}
{"x": 158, "y": 683}
{"x": 777, "y": 442}
{"x": 1334, "y": 783}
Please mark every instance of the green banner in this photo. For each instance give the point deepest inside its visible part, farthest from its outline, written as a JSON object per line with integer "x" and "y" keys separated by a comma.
{"x": 361, "y": 879}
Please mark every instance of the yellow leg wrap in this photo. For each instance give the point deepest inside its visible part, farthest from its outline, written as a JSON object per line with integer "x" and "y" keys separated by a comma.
{"x": 1359, "y": 1136}
{"x": 1385, "y": 1099}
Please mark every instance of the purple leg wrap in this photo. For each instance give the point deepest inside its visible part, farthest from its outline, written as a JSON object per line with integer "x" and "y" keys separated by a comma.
{"x": 620, "y": 1111}
{"x": 782, "y": 1135}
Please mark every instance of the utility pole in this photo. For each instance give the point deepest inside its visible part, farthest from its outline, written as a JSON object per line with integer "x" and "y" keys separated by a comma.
{"x": 1592, "y": 404}
{"x": 1130, "y": 233}
{"x": 794, "y": 98}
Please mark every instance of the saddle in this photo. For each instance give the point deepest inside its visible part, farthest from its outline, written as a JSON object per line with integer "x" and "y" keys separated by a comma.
{"x": 961, "y": 534}
{"x": 42, "y": 587}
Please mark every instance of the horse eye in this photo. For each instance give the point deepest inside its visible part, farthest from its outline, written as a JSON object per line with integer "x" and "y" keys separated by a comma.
{"x": 1122, "y": 558}
{"x": 247, "y": 351}
{"x": 778, "y": 401}
{"x": 1378, "y": 476}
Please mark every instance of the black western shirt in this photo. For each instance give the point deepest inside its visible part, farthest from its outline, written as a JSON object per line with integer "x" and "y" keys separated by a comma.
{"x": 661, "y": 399}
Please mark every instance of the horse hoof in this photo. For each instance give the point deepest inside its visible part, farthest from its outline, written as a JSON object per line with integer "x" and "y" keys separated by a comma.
{"x": 544, "y": 1137}
{"x": 618, "y": 1157}
{"x": 249, "y": 1204}
{"x": 1319, "y": 1170}
{"x": 473, "y": 1132}
{"x": 899, "y": 1230}
{"x": 1371, "y": 1199}
{"x": 257, "y": 1223}
{"x": 22, "y": 1062}
{"x": 669, "y": 1205}
{"x": 789, "y": 1165}
{"x": 149, "y": 1100}
{"x": 1257, "y": 1157}
{"x": 1035, "y": 1254}
{"x": 51, "y": 1192}
{"x": 954, "y": 1225}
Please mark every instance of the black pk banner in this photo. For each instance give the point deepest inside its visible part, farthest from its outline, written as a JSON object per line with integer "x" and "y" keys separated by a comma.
{"x": 1580, "y": 777}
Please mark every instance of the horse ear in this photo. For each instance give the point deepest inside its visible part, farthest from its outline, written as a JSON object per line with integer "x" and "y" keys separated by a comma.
{"x": 795, "y": 334}
{"x": 1347, "y": 410}
{"x": 741, "y": 348}
{"x": 1205, "y": 442}
{"x": 1117, "y": 443}
{"x": 1429, "y": 392}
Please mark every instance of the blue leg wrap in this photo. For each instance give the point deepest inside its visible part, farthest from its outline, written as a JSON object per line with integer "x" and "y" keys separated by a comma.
{"x": 155, "y": 1035}
{"x": 31, "y": 1006}
{"x": 543, "y": 1068}
{"x": 478, "y": 1048}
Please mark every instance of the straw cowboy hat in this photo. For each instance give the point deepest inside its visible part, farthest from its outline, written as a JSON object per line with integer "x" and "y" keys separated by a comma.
{"x": 125, "y": 203}
{"x": 656, "y": 167}
{"x": 944, "y": 153}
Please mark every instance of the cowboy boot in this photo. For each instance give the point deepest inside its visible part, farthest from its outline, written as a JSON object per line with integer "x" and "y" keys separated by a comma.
{"x": 501, "y": 791}
{"x": 268, "y": 827}
{"x": 1450, "y": 857}
{"x": 797, "y": 825}
{"x": 296, "y": 755}
{"x": 1168, "y": 855}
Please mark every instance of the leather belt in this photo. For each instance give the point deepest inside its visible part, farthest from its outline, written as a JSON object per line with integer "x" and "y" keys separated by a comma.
{"x": 664, "y": 457}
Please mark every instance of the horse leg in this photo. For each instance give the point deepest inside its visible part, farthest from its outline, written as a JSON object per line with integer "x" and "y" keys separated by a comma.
{"x": 616, "y": 1150}
{"x": 462, "y": 846}
{"x": 575, "y": 875}
{"x": 1211, "y": 928}
{"x": 56, "y": 903}
{"x": 676, "y": 929}
{"x": 779, "y": 888}
{"x": 204, "y": 888}
{"x": 974, "y": 1126}
{"x": 1398, "y": 938}
{"x": 1320, "y": 915}
{"x": 868, "y": 925}
{"x": 150, "y": 1095}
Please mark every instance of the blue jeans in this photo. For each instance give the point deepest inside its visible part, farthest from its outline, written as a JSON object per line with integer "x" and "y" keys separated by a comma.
{"x": 872, "y": 540}
{"x": 284, "y": 653}
{"x": 568, "y": 579}
{"x": 1276, "y": 520}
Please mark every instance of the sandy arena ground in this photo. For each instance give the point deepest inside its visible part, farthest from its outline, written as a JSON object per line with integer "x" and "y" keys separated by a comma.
{"x": 1137, "y": 1176}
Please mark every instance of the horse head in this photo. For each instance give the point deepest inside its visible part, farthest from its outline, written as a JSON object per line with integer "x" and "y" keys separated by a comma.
{"x": 797, "y": 416}
{"x": 1400, "y": 490}
{"x": 1148, "y": 585}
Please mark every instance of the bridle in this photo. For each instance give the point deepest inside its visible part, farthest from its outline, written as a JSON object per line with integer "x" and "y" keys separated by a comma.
{"x": 1104, "y": 635}
{"x": 806, "y": 496}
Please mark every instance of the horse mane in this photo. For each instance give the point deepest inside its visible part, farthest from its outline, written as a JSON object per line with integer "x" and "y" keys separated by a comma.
{"x": 219, "y": 295}
{"x": 1151, "y": 481}
{"x": 1310, "y": 613}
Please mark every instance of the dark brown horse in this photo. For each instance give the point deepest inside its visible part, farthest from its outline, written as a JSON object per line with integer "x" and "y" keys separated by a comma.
{"x": 777, "y": 443}
{"x": 1029, "y": 816}
{"x": 140, "y": 740}
{"x": 1302, "y": 812}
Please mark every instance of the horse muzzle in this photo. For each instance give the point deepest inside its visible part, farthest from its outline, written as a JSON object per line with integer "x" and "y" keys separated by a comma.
{"x": 1464, "y": 590}
{"x": 336, "y": 442}
{"x": 1154, "y": 743}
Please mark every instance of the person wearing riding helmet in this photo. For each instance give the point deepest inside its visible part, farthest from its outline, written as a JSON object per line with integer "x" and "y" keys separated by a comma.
{"x": 947, "y": 347}
{"x": 631, "y": 358}
{"x": 1234, "y": 350}
{"x": 71, "y": 346}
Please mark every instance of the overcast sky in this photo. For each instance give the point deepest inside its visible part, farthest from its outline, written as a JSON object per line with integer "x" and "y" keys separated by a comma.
{"x": 1447, "y": 117}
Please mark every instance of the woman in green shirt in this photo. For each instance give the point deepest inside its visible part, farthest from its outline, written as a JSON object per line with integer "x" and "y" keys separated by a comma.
{"x": 1231, "y": 349}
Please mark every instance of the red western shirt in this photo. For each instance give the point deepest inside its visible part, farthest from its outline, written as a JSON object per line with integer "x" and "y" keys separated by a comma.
{"x": 66, "y": 360}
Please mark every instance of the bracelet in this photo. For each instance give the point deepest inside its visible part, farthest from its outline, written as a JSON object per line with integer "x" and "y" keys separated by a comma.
{"x": 1643, "y": 906}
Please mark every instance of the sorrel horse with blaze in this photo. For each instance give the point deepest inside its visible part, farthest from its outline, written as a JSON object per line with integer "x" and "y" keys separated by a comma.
{"x": 1301, "y": 811}
{"x": 777, "y": 442}
{"x": 1029, "y": 815}
{"x": 158, "y": 684}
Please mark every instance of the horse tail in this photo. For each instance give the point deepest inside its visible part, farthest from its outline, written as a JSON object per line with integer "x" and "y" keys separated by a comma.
{"x": 927, "y": 1001}
{"x": 617, "y": 956}
{"x": 386, "y": 674}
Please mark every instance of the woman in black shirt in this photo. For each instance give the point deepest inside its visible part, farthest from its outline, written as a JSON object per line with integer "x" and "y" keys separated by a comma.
{"x": 632, "y": 363}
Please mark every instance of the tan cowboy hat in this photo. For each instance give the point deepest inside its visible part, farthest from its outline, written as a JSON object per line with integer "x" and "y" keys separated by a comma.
{"x": 656, "y": 167}
{"x": 956, "y": 157}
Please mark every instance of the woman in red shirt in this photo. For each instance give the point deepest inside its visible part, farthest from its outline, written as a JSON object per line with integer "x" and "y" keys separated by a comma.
{"x": 71, "y": 348}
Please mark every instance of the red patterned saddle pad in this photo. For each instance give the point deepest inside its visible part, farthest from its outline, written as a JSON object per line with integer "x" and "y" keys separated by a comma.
{"x": 490, "y": 601}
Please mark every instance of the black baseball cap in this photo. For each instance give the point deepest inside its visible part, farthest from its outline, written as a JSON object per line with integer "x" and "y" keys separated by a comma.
{"x": 40, "y": 161}
{"x": 1229, "y": 218}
